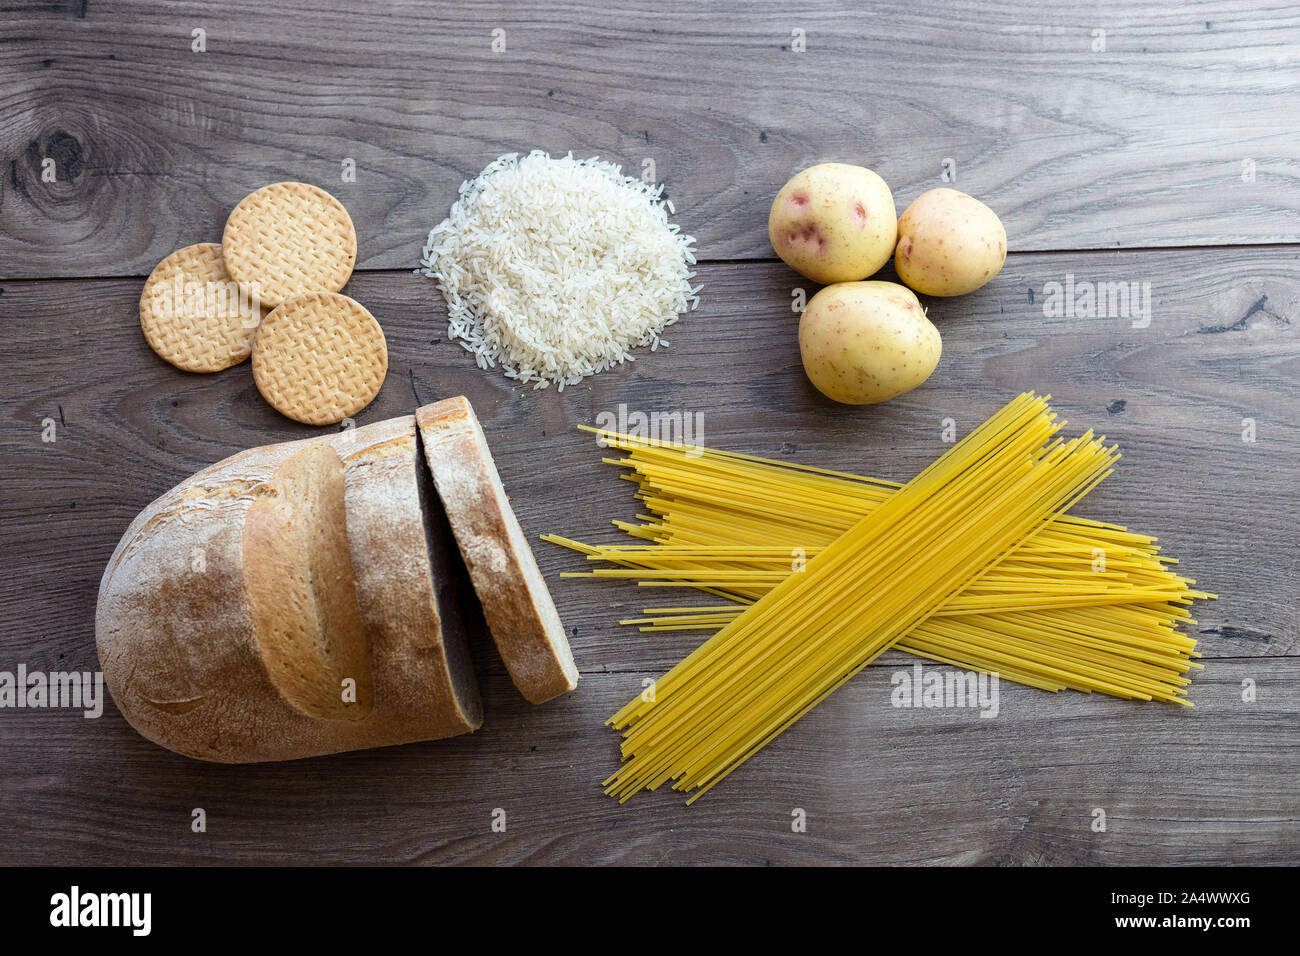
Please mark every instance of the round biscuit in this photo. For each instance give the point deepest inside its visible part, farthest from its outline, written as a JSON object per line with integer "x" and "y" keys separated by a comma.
{"x": 194, "y": 315}
{"x": 289, "y": 239}
{"x": 319, "y": 358}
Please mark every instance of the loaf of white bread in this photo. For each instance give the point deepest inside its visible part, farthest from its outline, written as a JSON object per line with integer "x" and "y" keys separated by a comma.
{"x": 306, "y": 598}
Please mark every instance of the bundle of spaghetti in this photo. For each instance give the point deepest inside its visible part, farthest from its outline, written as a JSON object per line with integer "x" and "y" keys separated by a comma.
{"x": 1082, "y": 605}
{"x": 929, "y": 541}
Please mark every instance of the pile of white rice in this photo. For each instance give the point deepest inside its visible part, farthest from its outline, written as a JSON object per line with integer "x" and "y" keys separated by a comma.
{"x": 554, "y": 269}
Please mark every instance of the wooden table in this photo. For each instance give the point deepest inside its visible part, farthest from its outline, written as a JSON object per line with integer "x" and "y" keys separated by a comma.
{"x": 1120, "y": 142}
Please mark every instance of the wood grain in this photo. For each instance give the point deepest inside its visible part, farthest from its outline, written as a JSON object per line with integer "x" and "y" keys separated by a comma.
{"x": 1173, "y": 395}
{"x": 1116, "y": 154}
{"x": 1213, "y": 785}
{"x": 879, "y": 784}
{"x": 1139, "y": 145}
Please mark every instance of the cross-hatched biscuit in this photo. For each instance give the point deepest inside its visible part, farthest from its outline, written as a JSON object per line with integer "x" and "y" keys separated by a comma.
{"x": 319, "y": 358}
{"x": 288, "y": 239}
{"x": 194, "y": 315}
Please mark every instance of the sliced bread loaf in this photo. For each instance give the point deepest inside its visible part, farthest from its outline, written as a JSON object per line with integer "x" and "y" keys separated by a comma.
{"x": 289, "y": 602}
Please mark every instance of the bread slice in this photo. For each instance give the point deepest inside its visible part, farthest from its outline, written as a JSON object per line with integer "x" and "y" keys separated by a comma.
{"x": 516, "y": 603}
{"x": 237, "y": 605}
{"x": 407, "y": 574}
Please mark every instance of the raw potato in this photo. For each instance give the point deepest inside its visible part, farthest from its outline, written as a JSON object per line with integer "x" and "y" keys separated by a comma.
{"x": 949, "y": 243}
{"x": 867, "y": 342}
{"x": 834, "y": 223}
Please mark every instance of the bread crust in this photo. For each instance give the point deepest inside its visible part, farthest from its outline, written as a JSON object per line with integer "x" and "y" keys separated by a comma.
{"x": 178, "y": 636}
{"x": 516, "y": 603}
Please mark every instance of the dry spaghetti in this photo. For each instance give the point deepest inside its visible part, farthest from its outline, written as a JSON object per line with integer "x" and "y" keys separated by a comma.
{"x": 1040, "y": 611}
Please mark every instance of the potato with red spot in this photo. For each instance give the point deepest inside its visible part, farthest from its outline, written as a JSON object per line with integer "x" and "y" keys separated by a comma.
{"x": 867, "y": 342}
{"x": 834, "y": 223}
{"x": 949, "y": 243}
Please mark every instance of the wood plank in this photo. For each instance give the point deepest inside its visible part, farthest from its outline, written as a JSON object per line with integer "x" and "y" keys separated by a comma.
{"x": 1216, "y": 784}
{"x": 878, "y": 784}
{"x": 1140, "y": 145}
{"x": 1173, "y": 395}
